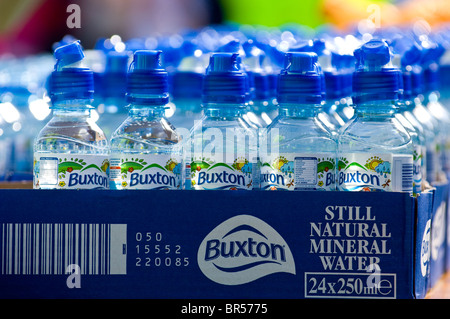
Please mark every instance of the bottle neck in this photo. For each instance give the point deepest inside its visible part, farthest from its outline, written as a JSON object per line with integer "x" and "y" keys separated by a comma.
{"x": 146, "y": 111}
{"x": 222, "y": 110}
{"x": 299, "y": 110}
{"x": 377, "y": 109}
{"x": 72, "y": 108}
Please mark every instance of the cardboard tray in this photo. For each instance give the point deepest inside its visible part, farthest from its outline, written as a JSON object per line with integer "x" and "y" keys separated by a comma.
{"x": 220, "y": 244}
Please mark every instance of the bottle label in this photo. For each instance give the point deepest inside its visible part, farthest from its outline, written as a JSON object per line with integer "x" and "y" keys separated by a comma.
{"x": 70, "y": 171}
{"x": 370, "y": 172}
{"x": 298, "y": 172}
{"x": 145, "y": 171}
{"x": 207, "y": 174}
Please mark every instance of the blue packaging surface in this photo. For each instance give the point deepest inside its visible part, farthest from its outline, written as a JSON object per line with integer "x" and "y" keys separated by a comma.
{"x": 211, "y": 244}
{"x": 438, "y": 239}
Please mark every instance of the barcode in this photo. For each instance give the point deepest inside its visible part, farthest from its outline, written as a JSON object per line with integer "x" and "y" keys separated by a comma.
{"x": 402, "y": 173}
{"x": 48, "y": 249}
{"x": 407, "y": 177}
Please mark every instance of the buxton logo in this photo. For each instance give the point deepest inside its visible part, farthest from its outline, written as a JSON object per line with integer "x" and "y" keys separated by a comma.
{"x": 243, "y": 249}
{"x": 206, "y": 174}
{"x": 438, "y": 231}
{"x": 157, "y": 176}
{"x": 425, "y": 249}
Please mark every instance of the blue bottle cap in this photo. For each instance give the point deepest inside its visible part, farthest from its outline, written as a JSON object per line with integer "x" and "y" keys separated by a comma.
{"x": 407, "y": 85}
{"x": 147, "y": 80}
{"x": 417, "y": 79}
{"x": 344, "y": 65}
{"x": 432, "y": 51}
{"x": 373, "y": 78}
{"x": 318, "y": 46}
{"x": 67, "y": 39}
{"x": 187, "y": 79}
{"x": 334, "y": 82}
{"x": 432, "y": 78}
{"x": 301, "y": 80}
{"x": 68, "y": 81}
{"x": 261, "y": 83}
{"x": 114, "y": 78}
{"x": 68, "y": 54}
{"x": 187, "y": 84}
{"x": 258, "y": 79}
{"x": 225, "y": 81}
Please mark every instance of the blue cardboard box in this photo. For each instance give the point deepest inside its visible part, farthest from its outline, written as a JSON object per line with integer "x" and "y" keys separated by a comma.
{"x": 213, "y": 244}
{"x": 438, "y": 240}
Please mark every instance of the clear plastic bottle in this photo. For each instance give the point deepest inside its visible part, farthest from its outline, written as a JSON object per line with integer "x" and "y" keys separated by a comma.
{"x": 21, "y": 106}
{"x": 433, "y": 103}
{"x": 71, "y": 151}
{"x": 186, "y": 86}
{"x": 223, "y": 146}
{"x": 375, "y": 152}
{"x": 146, "y": 150}
{"x": 433, "y": 165}
{"x": 407, "y": 53}
{"x": 415, "y": 131}
{"x": 343, "y": 110}
{"x": 298, "y": 151}
{"x": 330, "y": 80}
{"x": 260, "y": 109}
{"x": 5, "y": 150}
{"x": 111, "y": 97}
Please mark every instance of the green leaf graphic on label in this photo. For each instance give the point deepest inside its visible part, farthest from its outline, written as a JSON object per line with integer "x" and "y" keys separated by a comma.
{"x": 130, "y": 167}
{"x": 68, "y": 167}
{"x": 325, "y": 166}
{"x": 221, "y": 164}
{"x": 357, "y": 165}
{"x": 154, "y": 165}
{"x": 92, "y": 166}
{"x": 198, "y": 165}
{"x": 268, "y": 165}
{"x": 342, "y": 163}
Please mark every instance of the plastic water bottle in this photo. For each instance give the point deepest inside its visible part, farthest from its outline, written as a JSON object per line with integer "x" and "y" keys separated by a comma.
{"x": 71, "y": 151}
{"x": 418, "y": 141}
{"x": 339, "y": 89}
{"x": 375, "y": 152}
{"x": 186, "y": 86}
{"x": 146, "y": 150}
{"x": 406, "y": 54}
{"x": 329, "y": 78}
{"x": 112, "y": 92}
{"x": 223, "y": 152}
{"x": 5, "y": 150}
{"x": 22, "y": 104}
{"x": 298, "y": 151}
{"x": 432, "y": 100}
{"x": 260, "y": 108}
{"x": 431, "y": 128}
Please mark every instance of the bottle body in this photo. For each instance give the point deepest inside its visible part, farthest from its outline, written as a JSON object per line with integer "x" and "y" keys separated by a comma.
{"x": 223, "y": 150}
{"x": 298, "y": 151}
{"x": 375, "y": 151}
{"x": 71, "y": 151}
{"x": 418, "y": 141}
{"x": 433, "y": 165}
{"x": 187, "y": 111}
{"x": 145, "y": 151}
{"x": 261, "y": 113}
{"x": 111, "y": 114}
{"x": 442, "y": 119}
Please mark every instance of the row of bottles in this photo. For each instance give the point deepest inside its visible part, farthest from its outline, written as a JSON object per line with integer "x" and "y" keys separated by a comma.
{"x": 272, "y": 87}
{"x": 322, "y": 136}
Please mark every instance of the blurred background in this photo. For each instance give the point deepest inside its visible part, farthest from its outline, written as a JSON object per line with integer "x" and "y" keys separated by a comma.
{"x": 32, "y": 26}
